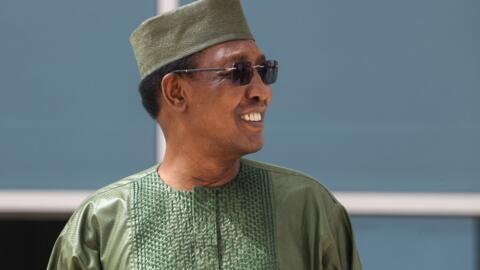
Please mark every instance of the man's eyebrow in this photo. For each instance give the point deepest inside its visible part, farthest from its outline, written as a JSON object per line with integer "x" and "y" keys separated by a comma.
{"x": 234, "y": 58}
{"x": 261, "y": 58}
{"x": 243, "y": 57}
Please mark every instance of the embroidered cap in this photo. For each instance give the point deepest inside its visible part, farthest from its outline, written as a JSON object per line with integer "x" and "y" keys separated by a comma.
{"x": 186, "y": 30}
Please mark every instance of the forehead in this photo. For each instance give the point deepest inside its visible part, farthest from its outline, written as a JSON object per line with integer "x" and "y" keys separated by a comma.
{"x": 231, "y": 51}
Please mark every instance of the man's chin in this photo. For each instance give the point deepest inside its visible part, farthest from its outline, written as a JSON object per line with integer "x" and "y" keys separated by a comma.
{"x": 253, "y": 148}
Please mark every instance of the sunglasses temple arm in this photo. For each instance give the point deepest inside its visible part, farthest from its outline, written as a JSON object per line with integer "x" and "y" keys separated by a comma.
{"x": 202, "y": 70}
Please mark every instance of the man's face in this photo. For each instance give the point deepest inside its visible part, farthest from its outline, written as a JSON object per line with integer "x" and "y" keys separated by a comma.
{"x": 222, "y": 115}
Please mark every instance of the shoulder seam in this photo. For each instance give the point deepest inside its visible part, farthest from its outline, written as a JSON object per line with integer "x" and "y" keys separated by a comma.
{"x": 287, "y": 171}
{"x": 283, "y": 170}
{"x": 116, "y": 185}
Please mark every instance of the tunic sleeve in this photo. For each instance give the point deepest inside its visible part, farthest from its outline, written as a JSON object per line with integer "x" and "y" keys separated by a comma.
{"x": 341, "y": 251}
{"x": 76, "y": 247}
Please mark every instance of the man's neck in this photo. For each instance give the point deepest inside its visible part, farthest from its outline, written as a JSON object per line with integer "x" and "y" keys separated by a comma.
{"x": 183, "y": 172}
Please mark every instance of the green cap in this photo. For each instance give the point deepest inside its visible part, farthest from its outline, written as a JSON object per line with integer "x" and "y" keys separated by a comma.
{"x": 186, "y": 30}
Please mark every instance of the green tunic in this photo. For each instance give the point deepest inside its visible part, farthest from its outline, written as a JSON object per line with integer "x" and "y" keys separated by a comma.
{"x": 268, "y": 217}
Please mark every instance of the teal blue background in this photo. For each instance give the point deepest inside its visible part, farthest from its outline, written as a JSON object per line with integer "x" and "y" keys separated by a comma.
{"x": 70, "y": 114}
{"x": 375, "y": 95}
{"x": 372, "y": 96}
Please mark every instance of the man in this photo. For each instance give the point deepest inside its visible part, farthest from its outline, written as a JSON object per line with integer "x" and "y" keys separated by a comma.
{"x": 208, "y": 85}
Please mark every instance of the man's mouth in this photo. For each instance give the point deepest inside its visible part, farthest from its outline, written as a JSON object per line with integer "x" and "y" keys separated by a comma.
{"x": 252, "y": 117}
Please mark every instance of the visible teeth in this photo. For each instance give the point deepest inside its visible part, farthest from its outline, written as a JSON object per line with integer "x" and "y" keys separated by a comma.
{"x": 254, "y": 117}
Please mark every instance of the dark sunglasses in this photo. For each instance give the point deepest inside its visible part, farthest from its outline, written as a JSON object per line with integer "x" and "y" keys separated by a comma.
{"x": 242, "y": 72}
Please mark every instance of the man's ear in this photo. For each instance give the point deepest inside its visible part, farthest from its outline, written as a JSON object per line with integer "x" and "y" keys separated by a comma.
{"x": 173, "y": 92}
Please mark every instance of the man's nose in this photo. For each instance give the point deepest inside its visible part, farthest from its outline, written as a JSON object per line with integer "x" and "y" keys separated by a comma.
{"x": 258, "y": 90}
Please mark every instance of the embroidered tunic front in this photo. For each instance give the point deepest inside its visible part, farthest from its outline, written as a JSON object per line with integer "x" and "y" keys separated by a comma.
{"x": 209, "y": 228}
{"x": 268, "y": 217}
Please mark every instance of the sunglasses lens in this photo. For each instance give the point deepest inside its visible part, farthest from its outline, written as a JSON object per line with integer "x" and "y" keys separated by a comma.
{"x": 243, "y": 73}
{"x": 269, "y": 71}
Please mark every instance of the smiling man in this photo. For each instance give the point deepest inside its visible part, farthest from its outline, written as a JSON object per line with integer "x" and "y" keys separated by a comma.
{"x": 208, "y": 85}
